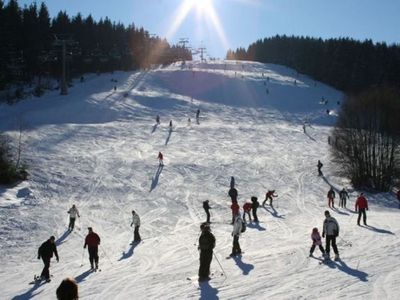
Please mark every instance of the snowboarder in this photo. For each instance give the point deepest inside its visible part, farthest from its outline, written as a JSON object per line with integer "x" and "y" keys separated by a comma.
{"x": 361, "y": 206}
{"x": 319, "y": 165}
{"x": 330, "y": 233}
{"x": 331, "y": 198}
{"x": 233, "y": 193}
{"x": 92, "y": 240}
{"x": 254, "y": 207}
{"x": 246, "y": 210}
{"x": 269, "y": 196}
{"x": 45, "y": 252}
{"x": 206, "y": 206}
{"x": 232, "y": 182}
{"x": 160, "y": 159}
{"x": 67, "y": 290}
{"x": 206, "y": 246}
{"x": 158, "y": 119}
{"x": 73, "y": 213}
{"x": 316, "y": 238}
{"x": 136, "y": 222}
{"x": 235, "y": 210}
{"x": 237, "y": 230}
{"x": 344, "y": 195}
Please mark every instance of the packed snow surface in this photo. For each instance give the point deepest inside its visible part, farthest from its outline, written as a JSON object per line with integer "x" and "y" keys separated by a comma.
{"x": 97, "y": 148}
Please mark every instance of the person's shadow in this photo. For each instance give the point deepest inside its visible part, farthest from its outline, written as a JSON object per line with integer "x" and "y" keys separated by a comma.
{"x": 310, "y": 137}
{"x": 29, "y": 294}
{"x": 169, "y": 136}
{"x": 256, "y": 225}
{"x": 62, "y": 238}
{"x": 372, "y": 228}
{"x": 129, "y": 253}
{"x": 154, "y": 180}
{"x": 207, "y": 292}
{"x": 154, "y": 128}
{"x": 341, "y": 265}
{"x": 246, "y": 268}
{"x": 82, "y": 277}
{"x": 273, "y": 212}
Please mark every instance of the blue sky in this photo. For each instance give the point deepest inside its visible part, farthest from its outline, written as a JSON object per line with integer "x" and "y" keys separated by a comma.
{"x": 244, "y": 21}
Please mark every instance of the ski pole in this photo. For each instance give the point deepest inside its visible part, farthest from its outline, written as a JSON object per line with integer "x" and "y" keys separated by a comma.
{"x": 102, "y": 249}
{"x": 195, "y": 243}
{"x": 222, "y": 269}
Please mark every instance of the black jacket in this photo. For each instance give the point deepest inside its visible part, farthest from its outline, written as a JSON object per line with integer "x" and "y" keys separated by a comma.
{"x": 47, "y": 249}
{"x": 206, "y": 241}
{"x": 206, "y": 206}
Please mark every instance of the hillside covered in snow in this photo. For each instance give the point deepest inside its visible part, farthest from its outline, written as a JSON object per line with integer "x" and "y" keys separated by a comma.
{"x": 97, "y": 148}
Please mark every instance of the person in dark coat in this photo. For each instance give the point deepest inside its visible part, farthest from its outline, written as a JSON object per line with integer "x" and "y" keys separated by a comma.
{"x": 206, "y": 206}
{"x": 254, "y": 207}
{"x": 331, "y": 198}
{"x": 67, "y": 290}
{"x": 319, "y": 166}
{"x": 343, "y": 195}
{"x": 45, "y": 252}
{"x": 268, "y": 196}
{"x": 92, "y": 240}
{"x": 233, "y": 193}
{"x": 206, "y": 246}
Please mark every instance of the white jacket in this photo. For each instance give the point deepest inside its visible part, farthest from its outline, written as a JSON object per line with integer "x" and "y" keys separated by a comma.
{"x": 237, "y": 226}
{"x": 331, "y": 226}
{"x": 135, "y": 219}
{"x": 73, "y": 212}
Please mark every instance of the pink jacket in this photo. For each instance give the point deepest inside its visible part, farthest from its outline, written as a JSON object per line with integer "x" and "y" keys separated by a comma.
{"x": 316, "y": 238}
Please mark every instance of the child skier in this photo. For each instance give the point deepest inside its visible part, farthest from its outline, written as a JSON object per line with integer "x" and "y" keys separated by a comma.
{"x": 316, "y": 238}
{"x": 160, "y": 159}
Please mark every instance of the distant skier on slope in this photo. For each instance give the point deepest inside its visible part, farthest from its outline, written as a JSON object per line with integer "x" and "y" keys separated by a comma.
{"x": 206, "y": 206}
{"x": 316, "y": 238}
{"x": 206, "y": 246}
{"x": 268, "y": 196}
{"x": 235, "y": 210}
{"x": 73, "y": 213}
{"x": 237, "y": 230}
{"x": 45, "y": 252}
{"x": 197, "y": 113}
{"x": 254, "y": 206}
{"x": 330, "y": 233}
{"x": 331, "y": 198}
{"x": 319, "y": 166}
{"x": 136, "y": 222}
{"x": 158, "y": 119}
{"x": 344, "y": 195}
{"x": 160, "y": 159}
{"x": 92, "y": 240}
{"x": 246, "y": 210}
{"x": 361, "y": 206}
{"x": 170, "y": 125}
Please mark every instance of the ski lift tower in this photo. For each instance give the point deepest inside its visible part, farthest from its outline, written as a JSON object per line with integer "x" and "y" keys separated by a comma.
{"x": 183, "y": 41}
{"x": 202, "y": 52}
{"x": 62, "y": 40}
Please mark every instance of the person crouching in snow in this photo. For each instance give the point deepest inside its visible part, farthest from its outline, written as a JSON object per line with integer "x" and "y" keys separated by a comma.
{"x": 246, "y": 210}
{"x": 316, "y": 238}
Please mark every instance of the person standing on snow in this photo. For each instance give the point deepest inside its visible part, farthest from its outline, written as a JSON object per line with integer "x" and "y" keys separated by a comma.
{"x": 206, "y": 206}
{"x": 319, "y": 166}
{"x": 343, "y": 194}
{"x": 330, "y": 233}
{"x": 331, "y": 198}
{"x": 160, "y": 159}
{"x": 246, "y": 210}
{"x": 235, "y": 210}
{"x": 136, "y": 222}
{"x": 197, "y": 114}
{"x": 361, "y": 206}
{"x": 92, "y": 240}
{"x": 269, "y": 196}
{"x": 45, "y": 252}
{"x": 254, "y": 206}
{"x": 73, "y": 213}
{"x": 206, "y": 246}
{"x": 237, "y": 230}
{"x": 316, "y": 238}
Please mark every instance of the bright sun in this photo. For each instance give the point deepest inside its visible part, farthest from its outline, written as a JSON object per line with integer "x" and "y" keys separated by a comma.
{"x": 202, "y": 6}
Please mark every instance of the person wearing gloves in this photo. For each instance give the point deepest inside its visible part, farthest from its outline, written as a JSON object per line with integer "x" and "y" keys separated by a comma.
{"x": 136, "y": 222}
{"x": 45, "y": 252}
{"x": 330, "y": 233}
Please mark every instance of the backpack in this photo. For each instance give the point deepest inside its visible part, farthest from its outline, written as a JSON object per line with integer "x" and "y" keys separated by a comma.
{"x": 243, "y": 227}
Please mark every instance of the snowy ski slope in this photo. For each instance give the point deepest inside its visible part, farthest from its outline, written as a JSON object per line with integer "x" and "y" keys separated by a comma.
{"x": 97, "y": 148}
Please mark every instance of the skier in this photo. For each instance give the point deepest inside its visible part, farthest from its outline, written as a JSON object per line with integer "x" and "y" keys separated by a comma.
{"x": 343, "y": 194}
{"x": 235, "y": 210}
{"x": 207, "y": 208}
{"x": 233, "y": 193}
{"x": 136, "y": 222}
{"x": 254, "y": 207}
{"x": 158, "y": 119}
{"x": 170, "y": 125}
{"x": 45, "y": 252}
{"x": 304, "y": 128}
{"x": 361, "y": 206}
{"x": 246, "y": 210}
{"x": 160, "y": 159}
{"x": 197, "y": 114}
{"x": 67, "y": 290}
{"x": 331, "y": 197}
{"x": 92, "y": 240}
{"x": 237, "y": 230}
{"x": 115, "y": 88}
{"x": 206, "y": 246}
{"x": 330, "y": 232}
{"x": 73, "y": 212}
{"x": 316, "y": 238}
{"x": 319, "y": 165}
{"x": 269, "y": 196}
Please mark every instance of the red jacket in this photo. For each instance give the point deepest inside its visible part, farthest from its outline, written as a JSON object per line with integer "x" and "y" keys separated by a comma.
{"x": 92, "y": 240}
{"x": 235, "y": 208}
{"x": 361, "y": 203}
{"x": 247, "y": 207}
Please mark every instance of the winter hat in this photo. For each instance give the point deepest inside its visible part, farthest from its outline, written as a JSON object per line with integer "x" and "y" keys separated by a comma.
{"x": 90, "y": 228}
{"x": 315, "y": 230}
{"x": 52, "y": 238}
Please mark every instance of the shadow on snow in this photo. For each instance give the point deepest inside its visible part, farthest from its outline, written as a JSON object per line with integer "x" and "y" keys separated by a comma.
{"x": 129, "y": 253}
{"x": 154, "y": 180}
{"x": 207, "y": 291}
